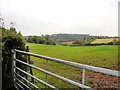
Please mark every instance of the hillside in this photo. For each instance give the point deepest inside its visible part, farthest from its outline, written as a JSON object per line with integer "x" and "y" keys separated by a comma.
{"x": 70, "y": 38}
{"x": 104, "y": 40}
{"x": 58, "y": 38}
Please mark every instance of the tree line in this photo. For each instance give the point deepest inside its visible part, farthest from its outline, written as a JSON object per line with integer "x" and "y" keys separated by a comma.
{"x": 58, "y": 38}
{"x": 44, "y": 39}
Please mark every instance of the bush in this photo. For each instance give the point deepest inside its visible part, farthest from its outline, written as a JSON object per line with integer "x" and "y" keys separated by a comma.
{"x": 88, "y": 44}
{"x": 10, "y": 40}
{"x": 78, "y": 43}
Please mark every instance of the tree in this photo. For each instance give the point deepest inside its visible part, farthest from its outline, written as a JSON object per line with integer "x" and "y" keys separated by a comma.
{"x": 10, "y": 40}
{"x": 40, "y": 39}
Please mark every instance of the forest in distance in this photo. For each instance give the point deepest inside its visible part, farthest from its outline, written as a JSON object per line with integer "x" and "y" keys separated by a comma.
{"x": 72, "y": 39}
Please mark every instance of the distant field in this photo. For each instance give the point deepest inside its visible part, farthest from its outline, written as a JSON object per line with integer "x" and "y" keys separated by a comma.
{"x": 106, "y": 40}
{"x": 68, "y": 43}
{"x": 101, "y": 56}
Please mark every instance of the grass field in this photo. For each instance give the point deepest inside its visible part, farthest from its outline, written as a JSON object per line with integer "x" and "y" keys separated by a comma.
{"x": 105, "y": 40}
{"x": 101, "y": 56}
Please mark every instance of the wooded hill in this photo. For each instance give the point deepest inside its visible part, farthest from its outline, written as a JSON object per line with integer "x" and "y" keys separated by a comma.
{"x": 58, "y": 38}
{"x": 55, "y": 38}
{"x": 70, "y": 39}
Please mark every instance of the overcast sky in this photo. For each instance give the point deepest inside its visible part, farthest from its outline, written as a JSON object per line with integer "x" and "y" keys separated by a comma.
{"x": 37, "y": 17}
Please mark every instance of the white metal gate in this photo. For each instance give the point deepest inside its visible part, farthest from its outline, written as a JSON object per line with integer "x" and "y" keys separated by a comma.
{"x": 78, "y": 65}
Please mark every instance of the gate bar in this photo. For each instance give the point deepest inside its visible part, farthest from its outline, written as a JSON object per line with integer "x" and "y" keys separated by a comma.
{"x": 57, "y": 76}
{"x": 28, "y": 82}
{"x": 20, "y": 86}
{"x": 78, "y": 65}
{"x": 39, "y": 80}
{"x": 23, "y": 83}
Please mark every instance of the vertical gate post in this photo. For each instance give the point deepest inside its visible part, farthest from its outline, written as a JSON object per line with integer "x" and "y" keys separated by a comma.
{"x": 46, "y": 70}
{"x": 13, "y": 67}
{"x": 46, "y": 73}
{"x": 83, "y": 77}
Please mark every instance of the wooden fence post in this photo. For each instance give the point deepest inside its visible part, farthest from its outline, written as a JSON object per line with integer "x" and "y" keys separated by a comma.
{"x": 28, "y": 61}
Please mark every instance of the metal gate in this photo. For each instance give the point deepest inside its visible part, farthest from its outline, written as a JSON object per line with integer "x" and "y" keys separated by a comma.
{"x": 78, "y": 65}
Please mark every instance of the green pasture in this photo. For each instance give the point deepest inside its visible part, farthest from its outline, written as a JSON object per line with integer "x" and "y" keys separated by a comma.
{"x": 101, "y": 56}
